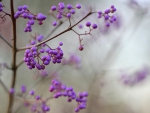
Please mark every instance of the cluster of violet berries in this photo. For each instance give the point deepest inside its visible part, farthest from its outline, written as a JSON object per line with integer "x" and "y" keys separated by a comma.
{"x": 23, "y": 12}
{"x": 61, "y": 11}
{"x": 32, "y": 56}
{"x": 73, "y": 60}
{"x": 139, "y": 76}
{"x": 1, "y": 6}
{"x": 39, "y": 105}
{"x": 109, "y": 19}
{"x": 62, "y": 90}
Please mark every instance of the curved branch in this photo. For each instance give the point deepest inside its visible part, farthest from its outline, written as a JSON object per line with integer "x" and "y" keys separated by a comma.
{"x": 5, "y": 41}
{"x": 68, "y": 29}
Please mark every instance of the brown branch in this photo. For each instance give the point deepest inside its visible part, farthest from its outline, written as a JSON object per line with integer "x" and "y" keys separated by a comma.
{"x": 5, "y": 41}
{"x": 4, "y": 86}
{"x": 59, "y": 24}
{"x": 70, "y": 28}
{"x": 14, "y": 50}
{"x": 20, "y": 63}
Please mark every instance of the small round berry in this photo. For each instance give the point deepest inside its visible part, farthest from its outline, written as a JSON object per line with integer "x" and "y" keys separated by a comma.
{"x": 59, "y": 16}
{"x": 99, "y": 16}
{"x": 60, "y": 43}
{"x": 85, "y": 94}
{"x": 40, "y": 22}
{"x": 94, "y": 26}
{"x": 107, "y": 11}
{"x": 46, "y": 108}
{"x": 25, "y": 15}
{"x": 34, "y": 48}
{"x": 107, "y": 24}
{"x": 72, "y": 11}
{"x": 11, "y": 91}
{"x": 112, "y": 6}
{"x": 31, "y": 92}
{"x": 23, "y": 89}
{"x": 100, "y": 12}
{"x": 88, "y": 24}
{"x": 31, "y": 22}
{"x": 61, "y": 5}
{"x": 52, "y": 88}
{"x": 25, "y": 7}
{"x": 80, "y": 26}
{"x": 54, "y": 23}
{"x": 38, "y": 97}
{"x": 76, "y": 109}
{"x": 16, "y": 16}
{"x": 53, "y": 8}
{"x": 69, "y": 6}
{"x": 78, "y": 6}
{"x": 68, "y": 15}
{"x": 106, "y": 17}
{"x": 19, "y": 8}
{"x": 81, "y": 47}
{"x": 1, "y": 4}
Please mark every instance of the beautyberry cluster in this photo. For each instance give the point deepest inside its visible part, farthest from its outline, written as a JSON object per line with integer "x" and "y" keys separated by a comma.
{"x": 109, "y": 19}
{"x": 61, "y": 90}
{"x": 1, "y": 6}
{"x": 139, "y": 76}
{"x": 60, "y": 9}
{"x": 32, "y": 57}
{"x": 37, "y": 105}
{"x": 73, "y": 60}
{"x": 24, "y": 12}
{"x": 81, "y": 99}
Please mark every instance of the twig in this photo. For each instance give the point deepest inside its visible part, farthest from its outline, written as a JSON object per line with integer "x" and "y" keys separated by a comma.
{"x": 68, "y": 29}
{"x": 4, "y": 86}
{"x": 5, "y": 41}
{"x": 59, "y": 24}
{"x": 14, "y": 50}
{"x": 20, "y": 63}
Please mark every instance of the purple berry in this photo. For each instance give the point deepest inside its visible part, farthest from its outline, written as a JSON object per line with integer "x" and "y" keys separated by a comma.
{"x": 31, "y": 92}
{"x": 53, "y": 8}
{"x": 72, "y": 11}
{"x": 54, "y": 23}
{"x": 81, "y": 47}
{"x": 94, "y": 26}
{"x": 68, "y": 15}
{"x": 25, "y": 7}
{"x": 78, "y": 6}
{"x": 88, "y": 24}
{"x": 19, "y": 8}
{"x": 69, "y": 6}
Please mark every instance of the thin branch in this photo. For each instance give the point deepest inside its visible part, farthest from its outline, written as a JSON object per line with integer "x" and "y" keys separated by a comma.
{"x": 6, "y": 13}
{"x": 20, "y": 63}
{"x": 70, "y": 28}
{"x": 4, "y": 86}
{"x": 5, "y": 41}
{"x": 14, "y": 50}
{"x": 59, "y": 24}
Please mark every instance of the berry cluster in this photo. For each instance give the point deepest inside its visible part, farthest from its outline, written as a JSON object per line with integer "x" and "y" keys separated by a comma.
{"x": 73, "y": 60}
{"x": 88, "y": 24}
{"x": 61, "y": 90}
{"x": 139, "y": 76}
{"x": 23, "y": 12}
{"x": 38, "y": 105}
{"x": 32, "y": 56}
{"x": 81, "y": 99}
{"x": 61, "y": 11}
{"x": 109, "y": 19}
{"x": 1, "y": 6}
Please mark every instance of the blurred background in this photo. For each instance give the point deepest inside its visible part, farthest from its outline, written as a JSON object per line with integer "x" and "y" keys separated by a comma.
{"x": 113, "y": 67}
